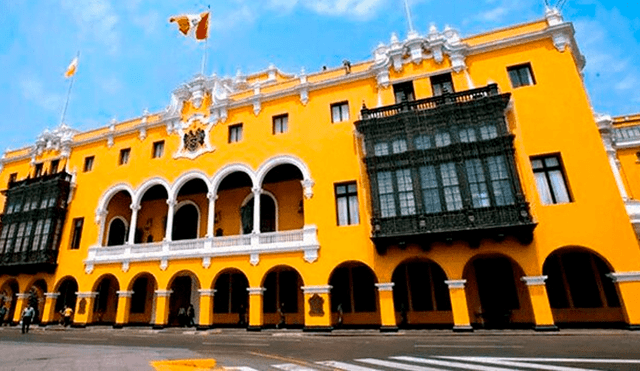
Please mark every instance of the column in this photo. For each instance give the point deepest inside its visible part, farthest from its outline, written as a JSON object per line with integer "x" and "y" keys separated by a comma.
{"x": 162, "y": 308}
{"x": 124, "y": 308}
{"x": 48, "y": 314}
{"x": 169, "y": 231}
{"x": 206, "y": 309}
{"x": 21, "y": 300}
{"x": 211, "y": 217}
{"x": 84, "y": 308}
{"x": 461, "y": 321}
{"x": 134, "y": 224}
{"x": 387, "y": 309}
{"x": 101, "y": 216}
{"x": 257, "y": 191}
{"x": 317, "y": 309}
{"x": 628, "y": 284}
{"x": 542, "y": 316}
{"x": 256, "y": 316}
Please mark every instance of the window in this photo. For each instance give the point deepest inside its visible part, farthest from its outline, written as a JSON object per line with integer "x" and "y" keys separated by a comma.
{"x": 443, "y": 139}
{"x": 488, "y": 132}
{"x": 381, "y": 149}
{"x": 451, "y": 187}
{"x": 77, "y": 233}
{"x": 500, "y": 183}
{"x": 124, "y": 156}
{"x": 13, "y": 177}
{"x": 430, "y": 193}
{"x": 521, "y": 75}
{"x": 280, "y": 124}
{"x": 405, "y": 192}
{"x": 404, "y": 92}
{"x": 399, "y": 146}
{"x": 422, "y": 142}
{"x": 550, "y": 179}
{"x": 385, "y": 192}
{"x": 235, "y": 133}
{"x": 467, "y": 135}
{"x": 477, "y": 183}
{"x": 340, "y": 112}
{"x": 54, "y": 166}
{"x": 88, "y": 163}
{"x": 158, "y": 149}
{"x": 347, "y": 203}
{"x": 38, "y": 170}
{"x": 442, "y": 84}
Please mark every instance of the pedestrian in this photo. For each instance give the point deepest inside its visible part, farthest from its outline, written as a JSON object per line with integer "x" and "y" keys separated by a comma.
{"x": 191, "y": 314}
{"x": 3, "y": 312}
{"x": 282, "y": 322}
{"x": 67, "y": 313}
{"x": 182, "y": 317}
{"x": 242, "y": 316}
{"x": 340, "y": 315}
{"x": 27, "y": 315}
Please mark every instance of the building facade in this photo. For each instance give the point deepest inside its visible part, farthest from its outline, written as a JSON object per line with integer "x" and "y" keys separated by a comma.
{"x": 447, "y": 182}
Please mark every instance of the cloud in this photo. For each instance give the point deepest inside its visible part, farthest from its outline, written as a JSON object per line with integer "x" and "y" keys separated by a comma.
{"x": 494, "y": 14}
{"x": 33, "y": 90}
{"x": 96, "y": 20}
{"x": 355, "y": 8}
{"x": 148, "y": 22}
{"x": 629, "y": 82}
{"x": 111, "y": 85}
{"x": 243, "y": 15}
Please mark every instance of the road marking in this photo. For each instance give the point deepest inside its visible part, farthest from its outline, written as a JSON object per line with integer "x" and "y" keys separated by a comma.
{"x": 436, "y": 362}
{"x": 238, "y": 344}
{"x": 241, "y": 368}
{"x": 84, "y": 339}
{"x": 465, "y": 346}
{"x": 292, "y": 367}
{"x": 517, "y": 362}
{"x": 396, "y": 365}
{"x": 572, "y": 360}
{"x": 345, "y": 366}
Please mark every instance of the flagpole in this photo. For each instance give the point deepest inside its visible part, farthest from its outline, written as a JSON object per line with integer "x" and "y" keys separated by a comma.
{"x": 66, "y": 103}
{"x": 406, "y": 8}
{"x": 206, "y": 42}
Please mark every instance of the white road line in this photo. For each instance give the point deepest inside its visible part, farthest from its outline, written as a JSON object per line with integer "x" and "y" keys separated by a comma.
{"x": 241, "y": 368}
{"x": 467, "y": 366}
{"x": 239, "y": 344}
{"x": 519, "y": 363}
{"x": 292, "y": 367}
{"x": 396, "y": 365}
{"x": 345, "y": 366}
{"x": 465, "y": 346}
{"x": 574, "y": 360}
{"x": 84, "y": 339}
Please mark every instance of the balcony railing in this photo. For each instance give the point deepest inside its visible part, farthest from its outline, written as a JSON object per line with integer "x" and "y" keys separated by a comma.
{"x": 304, "y": 240}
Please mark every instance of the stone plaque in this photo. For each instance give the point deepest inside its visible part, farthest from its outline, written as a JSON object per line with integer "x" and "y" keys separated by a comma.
{"x": 315, "y": 306}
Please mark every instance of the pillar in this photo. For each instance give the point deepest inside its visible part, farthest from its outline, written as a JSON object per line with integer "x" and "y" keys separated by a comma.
{"x": 387, "y": 309}
{"x": 459, "y": 307}
{"x": 162, "y": 308}
{"x": 257, "y": 191}
{"x": 101, "y": 216}
{"x": 205, "y": 318}
{"x": 542, "y": 316}
{"x": 84, "y": 308}
{"x": 317, "y": 309}
{"x": 211, "y": 216}
{"x": 628, "y": 285}
{"x": 21, "y": 300}
{"x": 134, "y": 224}
{"x": 256, "y": 315}
{"x": 170, "y": 211}
{"x": 48, "y": 314}
{"x": 124, "y": 308}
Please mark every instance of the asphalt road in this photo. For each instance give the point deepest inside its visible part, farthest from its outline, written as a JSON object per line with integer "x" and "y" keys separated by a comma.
{"x": 99, "y": 349}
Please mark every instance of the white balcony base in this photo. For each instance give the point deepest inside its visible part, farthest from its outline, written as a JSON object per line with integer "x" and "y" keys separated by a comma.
{"x": 633, "y": 209}
{"x": 304, "y": 240}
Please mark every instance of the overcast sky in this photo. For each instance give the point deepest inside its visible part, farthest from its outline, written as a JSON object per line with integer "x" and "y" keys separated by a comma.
{"x": 131, "y": 58}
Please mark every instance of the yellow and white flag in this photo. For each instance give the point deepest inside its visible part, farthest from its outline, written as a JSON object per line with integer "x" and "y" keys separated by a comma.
{"x": 194, "y": 25}
{"x": 71, "y": 70}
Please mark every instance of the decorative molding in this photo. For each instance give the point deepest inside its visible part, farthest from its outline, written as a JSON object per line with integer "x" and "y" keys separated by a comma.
{"x": 51, "y": 295}
{"x": 254, "y": 259}
{"x": 124, "y": 294}
{"x": 307, "y": 185}
{"x": 88, "y": 295}
{"x": 21, "y": 295}
{"x": 534, "y": 280}
{"x": 88, "y": 268}
{"x": 163, "y": 293}
{"x": 455, "y": 284}
{"x": 256, "y": 290}
{"x": 385, "y": 286}
{"x": 206, "y": 292}
{"x": 624, "y": 276}
{"x": 320, "y": 289}
{"x": 125, "y": 266}
{"x": 164, "y": 264}
{"x": 206, "y": 262}
{"x": 195, "y": 136}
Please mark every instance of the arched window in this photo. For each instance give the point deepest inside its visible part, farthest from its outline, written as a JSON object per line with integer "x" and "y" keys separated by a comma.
{"x": 185, "y": 223}
{"x": 117, "y": 232}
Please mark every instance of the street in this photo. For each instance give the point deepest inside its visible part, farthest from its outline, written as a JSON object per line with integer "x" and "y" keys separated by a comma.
{"x": 103, "y": 348}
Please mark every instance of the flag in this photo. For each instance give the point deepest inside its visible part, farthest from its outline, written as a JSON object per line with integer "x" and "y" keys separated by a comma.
{"x": 196, "y": 25}
{"x": 71, "y": 70}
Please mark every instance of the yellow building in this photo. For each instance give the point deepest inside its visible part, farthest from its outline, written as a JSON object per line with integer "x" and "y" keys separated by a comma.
{"x": 446, "y": 182}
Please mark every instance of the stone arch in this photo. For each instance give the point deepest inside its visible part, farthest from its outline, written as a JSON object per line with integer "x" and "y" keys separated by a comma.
{"x": 105, "y": 305}
{"x": 264, "y": 210}
{"x": 109, "y": 193}
{"x": 67, "y": 287}
{"x": 579, "y": 288}
{"x": 8, "y": 297}
{"x": 354, "y": 297}
{"x": 230, "y": 169}
{"x": 143, "y": 298}
{"x": 283, "y": 299}
{"x": 184, "y": 286}
{"x": 144, "y": 187}
{"x": 283, "y": 160}
{"x": 186, "y": 177}
{"x": 36, "y": 290}
{"x": 231, "y": 299}
{"x": 112, "y": 239}
{"x": 177, "y": 221}
{"x": 496, "y": 295}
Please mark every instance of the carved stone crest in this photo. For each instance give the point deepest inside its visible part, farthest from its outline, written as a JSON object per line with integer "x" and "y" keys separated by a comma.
{"x": 316, "y": 304}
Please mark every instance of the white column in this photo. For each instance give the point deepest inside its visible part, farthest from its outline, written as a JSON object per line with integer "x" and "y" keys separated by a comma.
{"x": 169, "y": 232}
{"x": 134, "y": 224}
{"x": 256, "y": 209}
{"x": 212, "y": 214}
{"x": 101, "y": 216}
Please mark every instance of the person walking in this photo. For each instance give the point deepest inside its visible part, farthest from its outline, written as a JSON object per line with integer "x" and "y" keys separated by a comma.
{"x": 67, "y": 312}
{"x": 27, "y": 315}
{"x": 191, "y": 313}
{"x": 3, "y": 312}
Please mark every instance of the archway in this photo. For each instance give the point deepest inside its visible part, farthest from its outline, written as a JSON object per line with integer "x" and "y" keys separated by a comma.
{"x": 117, "y": 232}
{"x": 420, "y": 294}
{"x": 184, "y": 293}
{"x": 231, "y": 190}
{"x": 142, "y": 309}
{"x": 105, "y": 305}
{"x": 8, "y": 298}
{"x": 579, "y": 290}
{"x": 354, "y": 297}
{"x": 37, "y": 299}
{"x": 284, "y": 182}
{"x": 231, "y": 299}
{"x": 268, "y": 214}
{"x": 67, "y": 289}
{"x": 186, "y": 223}
{"x": 283, "y": 300}
{"x": 152, "y": 216}
{"x": 496, "y": 296}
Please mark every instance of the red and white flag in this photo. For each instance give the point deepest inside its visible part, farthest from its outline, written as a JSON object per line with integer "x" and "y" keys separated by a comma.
{"x": 71, "y": 70}
{"x": 194, "y": 25}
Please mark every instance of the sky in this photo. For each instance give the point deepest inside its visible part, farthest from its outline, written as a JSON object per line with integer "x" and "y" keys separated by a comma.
{"x": 132, "y": 58}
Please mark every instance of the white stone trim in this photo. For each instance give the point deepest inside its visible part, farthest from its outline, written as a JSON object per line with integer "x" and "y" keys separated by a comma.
{"x": 144, "y": 187}
{"x": 455, "y": 284}
{"x": 20, "y": 295}
{"x": 256, "y": 290}
{"x": 385, "y": 286}
{"x": 163, "y": 293}
{"x": 86, "y": 295}
{"x": 624, "y": 276}
{"x": 320, "y": 289}
{"x": 534, "y": 280}
{"x": 124, "y": 294}
{"x": 207, "y": 292}
{"x": 51, "y": 295}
